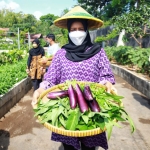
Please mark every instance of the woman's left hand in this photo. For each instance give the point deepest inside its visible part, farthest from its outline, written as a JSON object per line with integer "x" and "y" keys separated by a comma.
{"x": 110, "y": 87}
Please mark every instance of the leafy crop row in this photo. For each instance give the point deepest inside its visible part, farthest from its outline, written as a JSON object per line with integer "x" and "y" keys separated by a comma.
{"x": 12, "y": 56}
{"x": 130, "y": 56}
{"x": 11, "y": 74}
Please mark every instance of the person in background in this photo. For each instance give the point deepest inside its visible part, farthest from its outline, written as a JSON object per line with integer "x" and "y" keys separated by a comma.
{"x": 33, "y": 67}
{"x": 53, "y": 47}
{"x": 80, "y": 60}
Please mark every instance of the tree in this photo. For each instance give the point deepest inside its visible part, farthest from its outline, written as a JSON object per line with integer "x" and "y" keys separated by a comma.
{"x": 94, "y": 7}
{"x": 8, "y": 18}
{"x": 64, "y": 11}
{"x": 48, "y": 18}
{"x": 106, "y": 9}
{"x": 135, "y": 23}
{"x": 28, "y": 23}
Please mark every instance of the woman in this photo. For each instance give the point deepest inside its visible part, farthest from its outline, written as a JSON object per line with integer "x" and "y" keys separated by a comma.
{"x": 83, "y": 61}
{"x": 33, "y": 67}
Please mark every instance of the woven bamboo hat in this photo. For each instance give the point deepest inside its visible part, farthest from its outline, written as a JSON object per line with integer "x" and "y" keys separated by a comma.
{"x": 78, "y": 12}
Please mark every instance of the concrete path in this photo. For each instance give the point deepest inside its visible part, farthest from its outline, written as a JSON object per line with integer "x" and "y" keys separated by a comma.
{"x": 19, "y": 130}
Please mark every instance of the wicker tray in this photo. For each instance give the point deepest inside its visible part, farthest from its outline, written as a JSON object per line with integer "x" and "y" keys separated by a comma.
{"x": 64, "y": 131}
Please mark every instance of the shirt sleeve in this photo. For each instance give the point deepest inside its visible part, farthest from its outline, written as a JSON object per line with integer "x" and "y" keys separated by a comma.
{"x": 55, "y": 49}
{"x": 53, "y": 75}
{"x": 105, "y": 73}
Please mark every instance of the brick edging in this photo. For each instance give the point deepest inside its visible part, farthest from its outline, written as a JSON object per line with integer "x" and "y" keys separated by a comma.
{"x": 8, "y": 100}
{"x": 138, "y": 83}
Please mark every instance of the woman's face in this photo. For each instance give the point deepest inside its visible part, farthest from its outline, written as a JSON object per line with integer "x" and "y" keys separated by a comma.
{"x": 35, "y": 45}
{"x": 76, "y": 26}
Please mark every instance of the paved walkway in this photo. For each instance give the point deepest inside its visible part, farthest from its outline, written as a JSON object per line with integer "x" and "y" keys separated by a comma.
{"x": 19, "y": 130}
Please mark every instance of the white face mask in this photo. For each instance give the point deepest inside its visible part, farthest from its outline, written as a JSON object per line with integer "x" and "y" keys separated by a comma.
{"x": 77, "y": 37}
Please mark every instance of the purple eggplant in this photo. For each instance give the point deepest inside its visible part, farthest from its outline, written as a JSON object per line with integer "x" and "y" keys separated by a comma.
{"x": 81, "y": 101}
{"x": 87, "y": 93}
{"x": 55, "y": 95}
{"x": 72, "y": 97}
{"x": 94, "y": 105}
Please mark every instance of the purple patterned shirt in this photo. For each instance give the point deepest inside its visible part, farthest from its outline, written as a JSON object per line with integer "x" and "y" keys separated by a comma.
{"x": 94, "y": 69}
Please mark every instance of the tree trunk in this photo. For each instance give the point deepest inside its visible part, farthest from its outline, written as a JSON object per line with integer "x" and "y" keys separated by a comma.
{"x": 139, "y": 42}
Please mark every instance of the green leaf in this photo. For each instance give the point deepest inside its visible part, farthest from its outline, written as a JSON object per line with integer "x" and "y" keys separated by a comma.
{"x": 100, "y": 123}
{"x": 41, "y": 111}
{"x": 55, "y": 115}
{"x": 56, "y": 112}
{"x": 46, "y": 117}
{"x": 132, "y": 126}
{"x": 119, "y": 118}
{"x": 91, "y": 114}
{"x": 81, "y": 122}
{"x": 91, "y": 127}
{"x": 62, "y": 121}
{"x": 65, "y": 113}
{"x": 109, "y": 126}
{"x": 106, "y": 115}
{"x": 51, "y": 103}
{"x": 73, "y": 119}
{"x": 116, "y": 124}
{"x": 85, "y": 118}
{"x": 81, "y": 127}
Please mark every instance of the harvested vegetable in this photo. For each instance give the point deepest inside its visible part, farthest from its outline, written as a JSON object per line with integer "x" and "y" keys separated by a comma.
{"x": 104, "y": 110}
{"x": 94, "y": 105}
{"x": 57, "y": 94}
{"x": 72, "y": 97}
{"x": 87, "y": 93}
{"x": 81, "y": 101}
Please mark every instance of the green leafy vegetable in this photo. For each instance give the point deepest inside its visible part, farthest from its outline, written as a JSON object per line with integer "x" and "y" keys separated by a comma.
{"x": 73, "y": 120}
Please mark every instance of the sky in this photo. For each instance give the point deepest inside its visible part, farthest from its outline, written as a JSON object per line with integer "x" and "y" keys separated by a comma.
{"x": 38, "y": 7}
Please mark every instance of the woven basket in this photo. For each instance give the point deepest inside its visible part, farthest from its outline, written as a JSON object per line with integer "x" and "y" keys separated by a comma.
{"x": 64, "y": 131}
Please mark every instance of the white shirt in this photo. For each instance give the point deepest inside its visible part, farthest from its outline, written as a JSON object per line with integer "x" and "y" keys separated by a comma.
{"x": 52, "y": 49}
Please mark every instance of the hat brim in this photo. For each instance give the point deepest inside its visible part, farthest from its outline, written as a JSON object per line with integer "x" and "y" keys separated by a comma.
{"x": 93, "y": 23}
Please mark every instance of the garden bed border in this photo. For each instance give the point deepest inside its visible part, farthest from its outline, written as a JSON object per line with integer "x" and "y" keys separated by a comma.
{"x": 14, "y": 95}
{"x": 139, "y": 83}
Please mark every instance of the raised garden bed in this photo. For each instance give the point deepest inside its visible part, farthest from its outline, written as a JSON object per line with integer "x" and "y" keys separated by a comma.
{"x": 8, "y": 100}
{"x": 140, "y": 83}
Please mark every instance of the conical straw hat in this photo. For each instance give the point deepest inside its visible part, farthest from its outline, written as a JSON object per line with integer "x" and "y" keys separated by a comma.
{"x": 78, "y": 12}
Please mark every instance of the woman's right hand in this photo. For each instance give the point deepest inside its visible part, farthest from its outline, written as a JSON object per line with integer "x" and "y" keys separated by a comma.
{"x": 27, "y": 71}
{"x": 36, "y": 95}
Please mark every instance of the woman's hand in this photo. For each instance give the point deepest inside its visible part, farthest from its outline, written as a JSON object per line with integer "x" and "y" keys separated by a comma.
{"x": 43, "y": 70}
{"x": 36, "y": 95}
{"x": 110, "y": 87}
{"x": 50, "y": 58}
{"x": 27, "y": 71}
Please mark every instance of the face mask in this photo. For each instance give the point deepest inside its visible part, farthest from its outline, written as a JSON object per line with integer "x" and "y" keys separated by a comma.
{"x": 35, "y": 45}
{"x": 77, "y": 37}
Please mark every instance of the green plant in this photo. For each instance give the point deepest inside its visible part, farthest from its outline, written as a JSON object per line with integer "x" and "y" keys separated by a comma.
{"x": 43, "y": 42}
{"x": 133, "y": 57}
{"x": 12, "y": 56}
{"x": 11, "y": 74}
{"x": 109, "y": 36}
